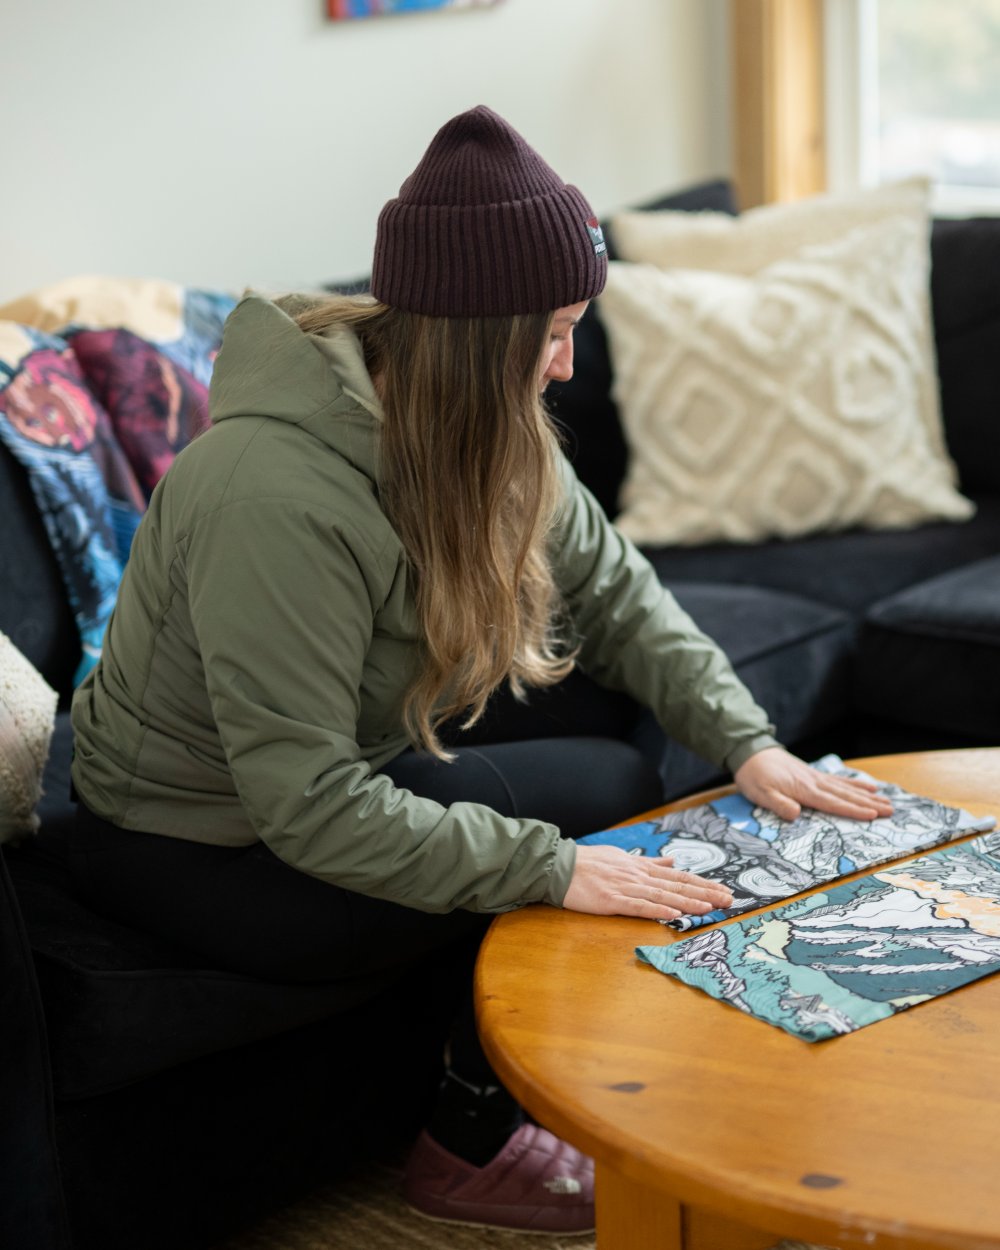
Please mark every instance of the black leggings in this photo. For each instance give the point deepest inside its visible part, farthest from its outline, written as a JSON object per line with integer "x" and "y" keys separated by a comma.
{"x": 243, "y": 909}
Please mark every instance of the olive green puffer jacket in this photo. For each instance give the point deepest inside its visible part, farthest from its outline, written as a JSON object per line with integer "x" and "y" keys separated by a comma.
{"x": 265, "y": 632}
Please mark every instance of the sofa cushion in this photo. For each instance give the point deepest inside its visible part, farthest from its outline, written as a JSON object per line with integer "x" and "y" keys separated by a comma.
{"x": 794, "y": 656}
{"x": 851, "y": 570}
{"x": 930, "y": 656}
{"x": 122, "y": 1005}
{"x": 196, "y": 1154}
{"x": 965, "y": 295}
{"x": 775, "y": 373}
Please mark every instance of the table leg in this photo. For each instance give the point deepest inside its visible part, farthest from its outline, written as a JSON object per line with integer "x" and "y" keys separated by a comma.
{"x": 631, "y": 1216}
{"x": 707, "y": 1230}
{"x": 634, "y": 1217}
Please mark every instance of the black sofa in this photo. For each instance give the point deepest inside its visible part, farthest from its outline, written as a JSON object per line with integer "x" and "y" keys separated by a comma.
{"x": 150, "y": 1103}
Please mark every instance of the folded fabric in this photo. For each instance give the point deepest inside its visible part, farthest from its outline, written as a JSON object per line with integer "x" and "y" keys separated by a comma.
{"x": 762, "y": 858}
{"x": 102, "y": 382}
{"x": 831, "y": 963}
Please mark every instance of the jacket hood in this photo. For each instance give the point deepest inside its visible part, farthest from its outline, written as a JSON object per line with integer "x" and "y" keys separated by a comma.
{"x": 267, "y": 367}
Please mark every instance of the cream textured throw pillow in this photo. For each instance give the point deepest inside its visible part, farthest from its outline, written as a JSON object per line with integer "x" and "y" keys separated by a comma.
{"x": 27, "y": 719}
{"x": 775, "y": 373}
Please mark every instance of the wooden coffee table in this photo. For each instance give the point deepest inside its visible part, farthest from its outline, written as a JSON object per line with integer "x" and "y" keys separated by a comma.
{"x": 713, "y": 1130}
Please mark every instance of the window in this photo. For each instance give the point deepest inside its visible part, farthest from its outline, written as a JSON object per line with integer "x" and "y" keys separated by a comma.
{"x": 913, "y": 86}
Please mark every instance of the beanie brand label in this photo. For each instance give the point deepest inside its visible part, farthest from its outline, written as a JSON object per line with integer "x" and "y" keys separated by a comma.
{"x": 596, "y": 236}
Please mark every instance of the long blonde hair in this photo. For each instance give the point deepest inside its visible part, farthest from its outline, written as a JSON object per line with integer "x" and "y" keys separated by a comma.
{"x": 469, "y": 478}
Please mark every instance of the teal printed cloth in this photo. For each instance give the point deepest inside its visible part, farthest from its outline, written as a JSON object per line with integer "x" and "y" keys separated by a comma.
{"x": 764, "y": 859}
{"x": 846, "y": 957}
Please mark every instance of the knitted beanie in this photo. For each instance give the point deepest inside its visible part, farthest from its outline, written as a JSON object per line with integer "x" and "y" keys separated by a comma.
{"x": 484, "y": 227}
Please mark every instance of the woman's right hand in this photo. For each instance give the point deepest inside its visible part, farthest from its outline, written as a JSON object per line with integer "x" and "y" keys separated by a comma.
{"x": 607, "y": 881}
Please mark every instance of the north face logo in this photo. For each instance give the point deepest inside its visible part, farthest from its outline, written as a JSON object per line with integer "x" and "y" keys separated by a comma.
{"x": 563, "y": 1185}
{"x": 596, "y": 236}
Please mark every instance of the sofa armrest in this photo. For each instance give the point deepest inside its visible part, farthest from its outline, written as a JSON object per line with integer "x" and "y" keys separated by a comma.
{"x": 32, "y": 1208}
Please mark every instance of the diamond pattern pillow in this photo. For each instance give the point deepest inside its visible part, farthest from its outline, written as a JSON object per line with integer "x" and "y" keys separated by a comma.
{"x": 785, "y": 386}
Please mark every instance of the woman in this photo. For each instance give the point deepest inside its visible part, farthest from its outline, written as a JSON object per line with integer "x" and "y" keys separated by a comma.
{"x": 376, "y": 652}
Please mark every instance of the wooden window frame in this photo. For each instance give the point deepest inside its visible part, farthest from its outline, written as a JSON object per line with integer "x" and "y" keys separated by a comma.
{"x": 778, "y": 99}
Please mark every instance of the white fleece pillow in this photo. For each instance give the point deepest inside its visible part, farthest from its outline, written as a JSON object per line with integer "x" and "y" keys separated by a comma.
{"x": 775, "y": 373}
{"x": 27, "y": 719}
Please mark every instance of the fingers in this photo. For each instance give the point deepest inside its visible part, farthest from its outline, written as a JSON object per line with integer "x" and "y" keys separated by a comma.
{"x": 607, "y": 881}
{"x": 784, "y": 807}
{"x": 681, "y": 890}
{"x": 785, "y": 784}
{"x": 838, "y": 796}
{"x": 643, "y": 909}
{"x": 857, "y": 809}
{"x": 656, "y": 904}
{"x": 867, "y": 796}
{"x": 661, "y": 868}
{"x": 848, "y": 796}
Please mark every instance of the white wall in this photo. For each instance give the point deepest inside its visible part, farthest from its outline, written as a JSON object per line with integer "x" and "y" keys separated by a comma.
{"x": 240, "y": 142}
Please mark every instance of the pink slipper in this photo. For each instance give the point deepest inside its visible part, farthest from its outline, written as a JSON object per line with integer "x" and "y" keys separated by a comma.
{"x": 537, "y": 1184}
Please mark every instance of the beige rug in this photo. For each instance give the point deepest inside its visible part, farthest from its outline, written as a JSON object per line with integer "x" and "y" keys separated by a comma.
{"x": 364, "y": 1211}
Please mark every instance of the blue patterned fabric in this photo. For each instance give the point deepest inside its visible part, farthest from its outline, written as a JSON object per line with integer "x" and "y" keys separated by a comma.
{"x": 763, "y": 859}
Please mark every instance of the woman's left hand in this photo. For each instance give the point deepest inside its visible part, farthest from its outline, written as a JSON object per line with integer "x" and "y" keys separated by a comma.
{"x": 784, "y": 784}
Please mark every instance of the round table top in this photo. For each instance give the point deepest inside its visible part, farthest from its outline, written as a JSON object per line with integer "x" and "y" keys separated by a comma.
{"x": 890, "y": 1133}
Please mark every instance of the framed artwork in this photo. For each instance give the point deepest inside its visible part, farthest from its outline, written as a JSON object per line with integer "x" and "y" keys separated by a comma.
{"x": 340, "y": 10}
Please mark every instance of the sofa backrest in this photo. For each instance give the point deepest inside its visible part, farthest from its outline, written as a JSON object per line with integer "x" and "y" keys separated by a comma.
{"x": 965, "y": 298}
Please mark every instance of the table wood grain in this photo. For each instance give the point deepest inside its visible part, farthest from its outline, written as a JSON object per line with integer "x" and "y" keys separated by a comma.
{"x": 715, "y": 1131}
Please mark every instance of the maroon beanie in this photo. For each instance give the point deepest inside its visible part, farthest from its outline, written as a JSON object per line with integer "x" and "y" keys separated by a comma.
{"x": 484, "y": 227}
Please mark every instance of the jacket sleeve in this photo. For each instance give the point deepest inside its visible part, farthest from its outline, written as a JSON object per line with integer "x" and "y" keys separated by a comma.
{"x": 635, "y": 637}
{"x": 283, "y": 643}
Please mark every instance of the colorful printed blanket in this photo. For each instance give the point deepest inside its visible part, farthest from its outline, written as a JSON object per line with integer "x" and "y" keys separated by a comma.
{"x": 102, "y": 382}
{"x": 846, "y": 957}
{"x": 763, "y": 859}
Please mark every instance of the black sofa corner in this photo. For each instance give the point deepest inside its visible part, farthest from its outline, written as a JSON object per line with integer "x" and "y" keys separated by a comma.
{"x": 860, "y": 642}
{"x": 146, "y": 1101}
